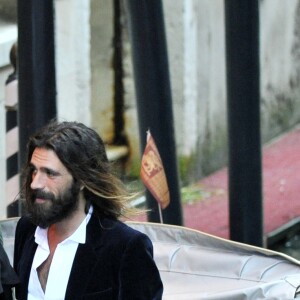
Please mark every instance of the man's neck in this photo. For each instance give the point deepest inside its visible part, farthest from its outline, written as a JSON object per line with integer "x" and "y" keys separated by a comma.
{"x": 60, "y": 231}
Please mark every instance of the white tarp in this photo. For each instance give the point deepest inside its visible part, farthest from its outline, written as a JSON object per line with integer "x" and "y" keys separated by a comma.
{"x": 195, "y": 265}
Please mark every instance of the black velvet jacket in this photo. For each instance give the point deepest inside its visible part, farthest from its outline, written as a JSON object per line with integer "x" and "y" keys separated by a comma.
{"x": 116, "y": 262}
{"x": 8, "y": 277}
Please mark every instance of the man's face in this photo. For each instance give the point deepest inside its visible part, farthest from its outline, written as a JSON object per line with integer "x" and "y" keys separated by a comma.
{"x": 54, "y": 194}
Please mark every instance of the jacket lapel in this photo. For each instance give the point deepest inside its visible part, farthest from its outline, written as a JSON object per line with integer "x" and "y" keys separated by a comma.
{"x": 25, "y": 266}
{"x": 85, "y": 260}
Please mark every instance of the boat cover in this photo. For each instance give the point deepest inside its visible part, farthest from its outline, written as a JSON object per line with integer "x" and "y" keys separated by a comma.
{"x": 196, "y": 265}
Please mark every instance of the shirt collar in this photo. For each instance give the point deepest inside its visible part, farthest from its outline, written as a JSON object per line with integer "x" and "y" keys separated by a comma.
{"x": 79, "y": 236}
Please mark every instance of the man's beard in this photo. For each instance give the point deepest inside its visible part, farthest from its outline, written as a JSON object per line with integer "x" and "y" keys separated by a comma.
{"x": 54, "y": 209}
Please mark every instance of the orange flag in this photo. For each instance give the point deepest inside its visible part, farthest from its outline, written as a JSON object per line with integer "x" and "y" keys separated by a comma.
{"x": 153, "y": 173}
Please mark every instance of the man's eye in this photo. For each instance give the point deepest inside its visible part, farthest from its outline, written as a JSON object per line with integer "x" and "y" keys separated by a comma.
{"x": 50, "y": 173}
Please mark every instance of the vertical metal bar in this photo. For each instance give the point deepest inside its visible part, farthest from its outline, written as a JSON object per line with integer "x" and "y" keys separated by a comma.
{"x": 119, "y": 132}
{"x": 245, "y": 175}
{"x": 37, "y": 87}
{"x": 152, "y": 83}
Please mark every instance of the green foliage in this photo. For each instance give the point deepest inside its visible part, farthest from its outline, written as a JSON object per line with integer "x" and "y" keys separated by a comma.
{"x": 185, "y": 164}
{"x": 135, "y": 167}
{"x": 197, "y": 192}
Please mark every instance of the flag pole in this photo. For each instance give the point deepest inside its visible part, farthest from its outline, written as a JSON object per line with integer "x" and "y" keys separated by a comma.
{"x": 160, "y": 214}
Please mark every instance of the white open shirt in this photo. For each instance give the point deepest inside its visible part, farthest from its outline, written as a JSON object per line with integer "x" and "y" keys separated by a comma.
{"x": 61, "y": 264}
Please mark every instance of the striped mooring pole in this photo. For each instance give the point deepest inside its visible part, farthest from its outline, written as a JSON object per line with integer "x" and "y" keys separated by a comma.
{"x": 12, "y": 139}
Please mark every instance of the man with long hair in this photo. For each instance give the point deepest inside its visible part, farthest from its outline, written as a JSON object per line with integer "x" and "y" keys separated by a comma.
{"x": 70, "y": 244}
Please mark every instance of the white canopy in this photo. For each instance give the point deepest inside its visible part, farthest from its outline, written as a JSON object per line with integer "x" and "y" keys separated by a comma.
{"x": 195, "y": 265}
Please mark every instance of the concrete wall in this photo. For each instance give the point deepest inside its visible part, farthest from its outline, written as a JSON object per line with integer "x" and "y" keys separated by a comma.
{"x": 73, "y": 60}
{"x": 102, "y": 87}
{"x": 280, "y": 66}
{"x": 196, "y": 45}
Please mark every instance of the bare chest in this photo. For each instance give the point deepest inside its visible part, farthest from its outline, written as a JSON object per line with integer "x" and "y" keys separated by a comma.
{"x": 43, "y": 271}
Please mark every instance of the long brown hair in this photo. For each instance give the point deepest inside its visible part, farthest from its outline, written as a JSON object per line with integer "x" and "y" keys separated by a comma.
{"x": 83, "y": 153}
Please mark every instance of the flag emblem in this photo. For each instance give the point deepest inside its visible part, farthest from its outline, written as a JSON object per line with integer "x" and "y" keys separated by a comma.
{"x": 153, "y": 173}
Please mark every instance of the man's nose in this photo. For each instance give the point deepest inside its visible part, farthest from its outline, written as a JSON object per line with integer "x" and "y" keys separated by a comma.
{"x": 38, "y": 181}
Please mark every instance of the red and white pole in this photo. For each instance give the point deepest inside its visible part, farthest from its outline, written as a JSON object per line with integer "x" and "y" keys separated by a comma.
{"x": 12, "y": 138}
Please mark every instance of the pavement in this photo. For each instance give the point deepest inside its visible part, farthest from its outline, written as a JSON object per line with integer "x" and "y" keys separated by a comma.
{"x": 281, "y": 189}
